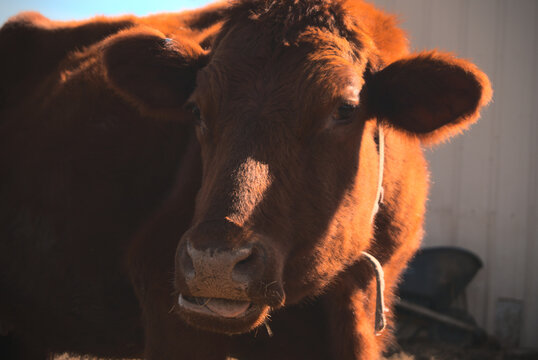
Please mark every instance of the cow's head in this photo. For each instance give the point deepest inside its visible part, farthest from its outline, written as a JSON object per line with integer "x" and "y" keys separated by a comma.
{"x": 286, "y": 108}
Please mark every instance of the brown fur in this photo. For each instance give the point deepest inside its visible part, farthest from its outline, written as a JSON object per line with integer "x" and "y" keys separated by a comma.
{"x": 106, "y": 175}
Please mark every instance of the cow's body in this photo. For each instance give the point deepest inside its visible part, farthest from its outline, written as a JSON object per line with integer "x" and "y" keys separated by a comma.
{"x": 99, "y": 181}
{"x": 75, "y": 188}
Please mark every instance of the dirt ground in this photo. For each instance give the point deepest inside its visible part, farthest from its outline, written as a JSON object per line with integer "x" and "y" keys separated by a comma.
{"x": 442, "y": 351}
{"x": 420, "y": 351}
{"x": 426, "y": 351}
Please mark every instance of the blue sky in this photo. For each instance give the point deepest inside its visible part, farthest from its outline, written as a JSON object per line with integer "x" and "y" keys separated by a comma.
{"x": 75, "y": 9}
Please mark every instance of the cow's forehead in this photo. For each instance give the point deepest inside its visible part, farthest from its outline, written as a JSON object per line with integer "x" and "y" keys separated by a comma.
{"x": 244, "y": 44}
{"x": 320, "y": 66}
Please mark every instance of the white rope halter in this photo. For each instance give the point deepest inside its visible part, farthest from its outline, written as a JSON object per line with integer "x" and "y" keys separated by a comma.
{"x": 380, "y": 319}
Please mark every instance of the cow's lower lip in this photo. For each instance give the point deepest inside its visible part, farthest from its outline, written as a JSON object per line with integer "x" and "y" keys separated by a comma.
{"x": 224, "y": 308}
{"x": 222, "y": 315}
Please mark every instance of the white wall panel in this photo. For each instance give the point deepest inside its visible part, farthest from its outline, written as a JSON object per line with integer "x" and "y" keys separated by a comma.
{"x": 484, "y": 183}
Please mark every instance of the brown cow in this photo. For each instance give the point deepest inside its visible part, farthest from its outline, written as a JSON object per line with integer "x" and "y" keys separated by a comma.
{"x": 249, "y": 207}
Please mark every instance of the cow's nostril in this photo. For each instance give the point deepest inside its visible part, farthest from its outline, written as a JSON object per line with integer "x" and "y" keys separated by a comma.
{"x": 248, "y": 268}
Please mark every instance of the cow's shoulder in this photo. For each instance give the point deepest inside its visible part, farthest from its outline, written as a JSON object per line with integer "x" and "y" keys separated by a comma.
{"x": 197, "y": 24}
{"x": 34, "y": 26}
{"x": 34, "y": 47}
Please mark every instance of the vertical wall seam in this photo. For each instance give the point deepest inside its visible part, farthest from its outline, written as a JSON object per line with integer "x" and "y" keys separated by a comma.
{"x": 427, "y": 23}
{"x": 457, "y": 179}
{"x": 493, "y": 171}
{"x": 532, "y": 192}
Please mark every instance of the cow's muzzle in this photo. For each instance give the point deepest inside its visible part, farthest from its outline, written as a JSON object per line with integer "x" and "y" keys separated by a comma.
{"x": 221, "y": 285}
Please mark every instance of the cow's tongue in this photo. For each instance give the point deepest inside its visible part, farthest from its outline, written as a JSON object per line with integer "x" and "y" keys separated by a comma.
{"x": 227, "y": 308}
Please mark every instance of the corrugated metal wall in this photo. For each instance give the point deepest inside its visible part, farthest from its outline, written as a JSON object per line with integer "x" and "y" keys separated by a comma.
{"x": 484, "y": 192}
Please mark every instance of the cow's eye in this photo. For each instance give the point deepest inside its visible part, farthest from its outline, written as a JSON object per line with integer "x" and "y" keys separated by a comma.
{"x": 196, "y": 112}
{"x": 344, "y": 113}
{"x": 199, "y": 120}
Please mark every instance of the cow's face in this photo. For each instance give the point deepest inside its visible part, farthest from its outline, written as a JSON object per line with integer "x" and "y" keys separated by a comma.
{"x": 290, "y": 161}
{"x": 289, "y": 180}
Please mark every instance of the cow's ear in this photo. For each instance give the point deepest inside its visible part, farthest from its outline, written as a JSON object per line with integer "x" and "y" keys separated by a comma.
{"x": 154, "y": 73}
{"x": 429, "y": 95}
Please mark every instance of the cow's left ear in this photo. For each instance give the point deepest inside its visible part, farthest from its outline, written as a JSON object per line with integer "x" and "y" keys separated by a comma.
{"x": 429, "y": 95}
{"x": 154, "y": 73}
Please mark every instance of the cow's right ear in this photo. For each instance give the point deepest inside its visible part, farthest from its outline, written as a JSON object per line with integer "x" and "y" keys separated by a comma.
{"x": 154, "y": 73}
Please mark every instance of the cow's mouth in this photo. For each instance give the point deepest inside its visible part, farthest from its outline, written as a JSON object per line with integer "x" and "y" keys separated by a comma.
{"x": 215, "y": 307}
{"x": 222, "y": 315}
